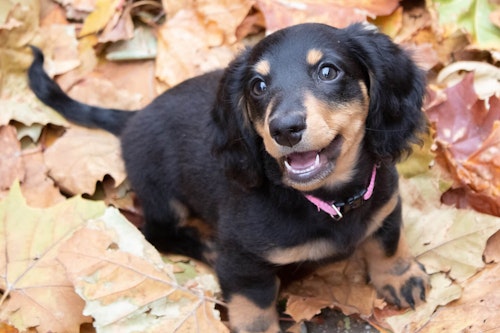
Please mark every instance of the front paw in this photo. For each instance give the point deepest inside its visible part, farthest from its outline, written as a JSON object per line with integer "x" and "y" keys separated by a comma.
{"x": 405, "y": 283}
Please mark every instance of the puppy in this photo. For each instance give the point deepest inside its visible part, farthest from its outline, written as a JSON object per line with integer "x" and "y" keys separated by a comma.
{"x": 289, "y": 154}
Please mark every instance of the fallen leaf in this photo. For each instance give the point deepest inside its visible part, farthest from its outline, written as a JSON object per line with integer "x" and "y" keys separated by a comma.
{"x": 37, "y": 187}
{"x": 476, "y": 310}
{"x": 11, "y": 165}
{"x": 60, "y": 48}
{"x": 36, "y": 291}
{"x": 467, "y": 138}
{"x": 472, "y": 15}
{"x": 81, "y": 157}
{"x": 199, "y": 39}
{"x": 391, "y": 24}
{"x": 119, "y": 27}
{"x": 486, "y": 77}
{"x": 100, "y": 16}
{"x": 341, "y": 285}
{"x": 143, "y": 45}
{"x": 281, "y": 14}
{"x": 21, "y": 24}
{"x": 126, "y": 285}
{"x": 443, "y": 238}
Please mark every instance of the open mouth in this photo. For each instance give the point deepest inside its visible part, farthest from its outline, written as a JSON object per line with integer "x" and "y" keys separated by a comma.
{"x": 304, "y": 167}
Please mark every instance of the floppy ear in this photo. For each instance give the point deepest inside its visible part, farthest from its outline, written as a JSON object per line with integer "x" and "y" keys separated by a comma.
{"x": 396, "y": 89}
{"x": 236, "y": 143}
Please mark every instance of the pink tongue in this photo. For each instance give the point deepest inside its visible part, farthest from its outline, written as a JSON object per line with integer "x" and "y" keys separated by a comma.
{"x": 302, "y": 160}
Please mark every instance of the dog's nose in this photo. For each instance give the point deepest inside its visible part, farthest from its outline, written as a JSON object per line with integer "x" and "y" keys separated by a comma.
{"x": 287, "y": 131}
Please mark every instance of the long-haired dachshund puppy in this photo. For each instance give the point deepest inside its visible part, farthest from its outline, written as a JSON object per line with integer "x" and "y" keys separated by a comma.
{"x": 288, "y": 154}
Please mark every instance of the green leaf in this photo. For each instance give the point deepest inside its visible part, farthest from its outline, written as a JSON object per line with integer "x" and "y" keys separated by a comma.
{"x": 473, "y": 16}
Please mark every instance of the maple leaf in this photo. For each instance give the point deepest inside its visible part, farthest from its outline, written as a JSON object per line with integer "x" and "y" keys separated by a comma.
{"x": 126, "y": 285}
{"x": 468, "y": 139}
{"x": 199, "y": 38}
{"x": 280, "y": 14}
{"x": 82, "y": 157}
{"x": 36, "y": 290}
{"x": 475, "y": 311}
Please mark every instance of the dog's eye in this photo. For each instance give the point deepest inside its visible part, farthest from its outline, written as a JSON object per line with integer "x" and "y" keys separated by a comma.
{"x": 259, "y": 87}
{"x": 328, "y": 73}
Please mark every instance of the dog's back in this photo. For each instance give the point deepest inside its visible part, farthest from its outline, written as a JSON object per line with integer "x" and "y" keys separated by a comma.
{"x": 159, "y": 144}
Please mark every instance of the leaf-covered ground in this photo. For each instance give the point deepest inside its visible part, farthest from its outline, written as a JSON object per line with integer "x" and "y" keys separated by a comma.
{"x": 71, "y": 259}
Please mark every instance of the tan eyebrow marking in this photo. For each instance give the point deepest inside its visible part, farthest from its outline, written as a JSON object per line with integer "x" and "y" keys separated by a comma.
{"x": 263, "y": 67}
{"x": 314, "y": 56}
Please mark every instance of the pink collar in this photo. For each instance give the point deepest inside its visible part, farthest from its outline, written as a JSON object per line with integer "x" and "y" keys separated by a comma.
{"x": 333, "y": 209}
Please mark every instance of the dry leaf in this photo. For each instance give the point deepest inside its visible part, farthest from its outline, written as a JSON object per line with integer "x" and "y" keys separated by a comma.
{"x": 342, "y": 285}
{"x": 126, "y": 285}
{"x": 467, "y": 138}
{"x": 486, "y": 77}
{"x": 38, "y": 188}
{"x": 199, "y": 39}
{"x": 11, "y": 165}
{"x": 82, "y": 157}
{"x": 443, "y": 238}
{"x": 36, "y": 291}
{"x": 100, "y": 16}
{"x": 476, "y": 310}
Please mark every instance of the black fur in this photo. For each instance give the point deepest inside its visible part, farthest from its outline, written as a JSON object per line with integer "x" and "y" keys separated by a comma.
{"x": 197, "y": 146}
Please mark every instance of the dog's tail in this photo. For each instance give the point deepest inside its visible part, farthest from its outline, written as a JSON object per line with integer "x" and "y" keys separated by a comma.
{"x": 51, "y": 94}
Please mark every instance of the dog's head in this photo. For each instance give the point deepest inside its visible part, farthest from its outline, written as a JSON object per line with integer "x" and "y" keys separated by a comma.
{"x": 315, "y": 98}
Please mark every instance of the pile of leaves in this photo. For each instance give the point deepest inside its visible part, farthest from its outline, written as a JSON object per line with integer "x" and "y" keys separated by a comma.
{"x": 72, "y": 261}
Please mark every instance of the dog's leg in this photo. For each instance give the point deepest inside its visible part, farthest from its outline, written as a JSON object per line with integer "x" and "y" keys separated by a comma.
{"x": 394, "y": 272}
{"x": 250, "y": 290}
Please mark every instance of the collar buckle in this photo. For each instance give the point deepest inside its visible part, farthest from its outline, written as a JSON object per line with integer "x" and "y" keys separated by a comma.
{"x": 337, "y": 215}
{"x": 334, "y": 209}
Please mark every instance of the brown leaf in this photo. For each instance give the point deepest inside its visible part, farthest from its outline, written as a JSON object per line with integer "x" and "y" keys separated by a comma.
{"x": 11, "y": 164}
{"x": 35, "y": 289}
{"x": 82, "y": 157}
{"x": 279, "y": 15}
{"x": 38, "y": 189}
{"x": 126, "y": 284}
{"x": 120, "y": 26}
{"x": 99, "y": 17}
{"x": 476, "y": 311}
{"x": 198, "y": 39}
{"x": 342, "y": 285}
{"x": 468, "y": 139}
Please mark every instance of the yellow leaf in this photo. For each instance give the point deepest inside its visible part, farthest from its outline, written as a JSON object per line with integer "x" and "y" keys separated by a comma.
{"x": 98, "y": 19}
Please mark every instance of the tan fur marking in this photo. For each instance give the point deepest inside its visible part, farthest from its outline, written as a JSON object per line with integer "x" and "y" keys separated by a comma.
{"x": 187, "y": 220}
{"x": 394, "y": 271}
{"x": 262, "y": 128}
{"x": 246, "y": 317}
{"x": 324, "y": 121}
{"x": 263, "y": 67}
{"x": 314, "y": 56}
{"x": 378, "y": 218}
{"x": 313, "y": 250}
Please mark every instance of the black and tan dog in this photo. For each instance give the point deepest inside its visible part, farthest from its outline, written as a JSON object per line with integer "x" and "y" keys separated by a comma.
{"x": 288, "y": 153}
